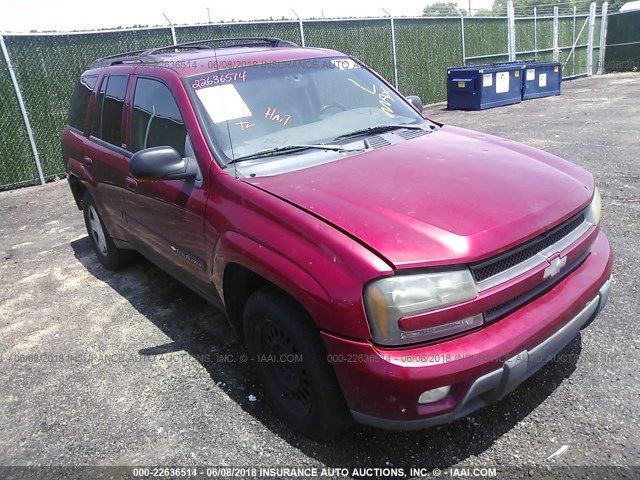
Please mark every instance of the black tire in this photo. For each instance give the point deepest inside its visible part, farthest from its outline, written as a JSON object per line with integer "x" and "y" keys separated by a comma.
{"x": 109, "y": 255}
{"x": 304, "y": 394}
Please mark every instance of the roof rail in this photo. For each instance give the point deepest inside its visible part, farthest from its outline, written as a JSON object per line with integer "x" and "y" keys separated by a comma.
{"x": 148, "y": 55}
{"x": 247, "y": 42}
{"x": 133, "y": 56}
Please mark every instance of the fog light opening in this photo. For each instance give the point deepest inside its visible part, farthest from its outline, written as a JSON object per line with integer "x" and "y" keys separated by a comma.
{"x": 434, "y": 395}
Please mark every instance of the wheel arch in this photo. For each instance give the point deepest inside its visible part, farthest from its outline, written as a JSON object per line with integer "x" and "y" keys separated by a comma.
{"x": 239, "y": 283}
{"x": 242, "y": 266}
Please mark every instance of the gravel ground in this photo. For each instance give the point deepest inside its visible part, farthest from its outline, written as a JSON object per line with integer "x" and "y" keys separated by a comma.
{"x": 101, "y": 368}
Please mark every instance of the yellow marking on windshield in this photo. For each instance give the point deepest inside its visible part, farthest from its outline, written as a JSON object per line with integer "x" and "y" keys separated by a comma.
{"x": 372, "y": 92}
{"x": 384, "y": 97}
{"x": 385, "y": 103}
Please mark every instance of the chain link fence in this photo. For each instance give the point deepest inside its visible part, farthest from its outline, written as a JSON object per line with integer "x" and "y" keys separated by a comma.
{"x": 17, "y": 167}
{"x": 425, "y": 48}
{"x": 285, "y": 30}
{"x": 544, "y": 34}
{"x": 46, "y": 66}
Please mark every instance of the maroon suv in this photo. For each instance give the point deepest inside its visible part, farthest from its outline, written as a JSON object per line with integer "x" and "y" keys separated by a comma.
{"x": 379, "y": 266}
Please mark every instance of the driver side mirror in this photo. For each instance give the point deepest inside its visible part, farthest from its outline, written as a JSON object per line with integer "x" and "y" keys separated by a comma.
{"x": 162, "y": 163}
{"x": 416, "y": 101}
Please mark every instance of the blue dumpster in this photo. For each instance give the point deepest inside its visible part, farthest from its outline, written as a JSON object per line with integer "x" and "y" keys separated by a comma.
{"x": 484, "y": 86}
{"x": 541, "y": 79}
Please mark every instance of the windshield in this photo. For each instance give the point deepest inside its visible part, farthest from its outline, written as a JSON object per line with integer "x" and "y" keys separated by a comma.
{"x": 261, "y": 107}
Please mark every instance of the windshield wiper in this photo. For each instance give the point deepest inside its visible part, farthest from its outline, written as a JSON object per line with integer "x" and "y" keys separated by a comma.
{"x": 291, "y": 148}
{"x": 379, "y": 129}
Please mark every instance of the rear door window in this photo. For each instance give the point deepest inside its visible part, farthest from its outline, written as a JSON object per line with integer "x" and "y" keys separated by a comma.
{"x": 107, "y": 114}
{"x": 80, "y": 102}
{"x": 156, "y": 120}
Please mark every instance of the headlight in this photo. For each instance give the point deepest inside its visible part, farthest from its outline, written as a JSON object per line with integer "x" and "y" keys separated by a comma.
{"x": 389, "y": 299}
{"x": 593, "y": 212}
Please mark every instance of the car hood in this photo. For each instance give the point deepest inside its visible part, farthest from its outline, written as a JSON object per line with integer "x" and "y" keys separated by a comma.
{"x": 452, "y": 196}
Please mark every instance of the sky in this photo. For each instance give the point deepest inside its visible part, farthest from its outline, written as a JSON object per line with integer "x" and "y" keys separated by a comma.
{"x": 26, "y": 15}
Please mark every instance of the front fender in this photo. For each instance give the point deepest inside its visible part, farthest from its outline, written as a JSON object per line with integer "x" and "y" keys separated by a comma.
{"x": 329, "y": 314}
{"x": 233, "y": 247}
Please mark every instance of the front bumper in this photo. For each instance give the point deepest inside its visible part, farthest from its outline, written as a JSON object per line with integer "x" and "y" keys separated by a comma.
{"x": 382, "y": 386}
{"x": 496, "y": 384}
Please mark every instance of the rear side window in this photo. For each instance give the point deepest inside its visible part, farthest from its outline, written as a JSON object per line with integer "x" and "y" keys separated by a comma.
{"x": 107, "y": 114}
{"x": 80, "y": 102}
{"x": 156, "y": 120}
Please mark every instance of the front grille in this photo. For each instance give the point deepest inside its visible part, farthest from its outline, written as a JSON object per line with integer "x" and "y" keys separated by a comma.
{"x": 516, "y": 302}
{"x": 492, "y": 267}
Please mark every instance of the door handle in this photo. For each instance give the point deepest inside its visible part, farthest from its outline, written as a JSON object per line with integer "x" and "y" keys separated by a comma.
{"x": 131, "y": 184}
{"x": 87, "y": 161}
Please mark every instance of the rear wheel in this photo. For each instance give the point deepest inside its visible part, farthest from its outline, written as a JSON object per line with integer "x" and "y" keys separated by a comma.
{"x": 109, "y": 255}
{"x": 291, "y": 361}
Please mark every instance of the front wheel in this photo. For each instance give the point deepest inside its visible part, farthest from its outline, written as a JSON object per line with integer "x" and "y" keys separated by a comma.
{"x": 291, "y": 361}
{"x": 109, "y": 255}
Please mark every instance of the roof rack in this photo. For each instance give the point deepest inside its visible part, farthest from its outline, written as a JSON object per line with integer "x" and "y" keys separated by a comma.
{"x": 247, "y": 42}
{"x": 118, "y": 58}
{"x": 149, "y": 55}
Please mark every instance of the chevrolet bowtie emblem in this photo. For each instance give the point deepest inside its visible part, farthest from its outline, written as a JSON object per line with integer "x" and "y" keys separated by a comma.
{"x": 555, "y": 267}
